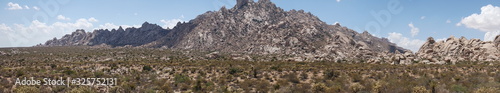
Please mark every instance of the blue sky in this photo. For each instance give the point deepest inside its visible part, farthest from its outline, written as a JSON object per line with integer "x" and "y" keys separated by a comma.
{"x": 407, "y": 23}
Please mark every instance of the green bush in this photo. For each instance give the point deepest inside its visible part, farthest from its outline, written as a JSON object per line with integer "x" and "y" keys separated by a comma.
{"x": 459, "y": 89}
{"x": 234, "y": 71}
{"x": 179, "y": 78}
{"x": 147, "y": 68}
{"x": 69, "y": 72}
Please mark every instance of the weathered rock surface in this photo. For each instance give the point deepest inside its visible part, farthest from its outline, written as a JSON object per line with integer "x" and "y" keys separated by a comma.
{"x": 116, "y": 37}
{"x": 248, "y": 28}
{"x": 459, "y": 49}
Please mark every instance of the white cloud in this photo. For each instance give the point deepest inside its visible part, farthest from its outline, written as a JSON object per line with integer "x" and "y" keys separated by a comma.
{"x": 414, "y": 30}
{"x": 14, "y": 6}
{"x": 36, "y": 8}
{"x": 448, "y": 21}
{"x": 4, "y": 27}
{"x": 170, "y": 23}
{"x": 488, "y": 21}
{"x": 92, "y": 19}
{"x": 422, "y": 17}
{"x": 338, "y": 0}
{"x": 61, "y": 17}
{"x": 135, "y": 14}
{"x": 490, "y": 36}
{"x": 405, "y": 42}
{"x": 19, "y": 35}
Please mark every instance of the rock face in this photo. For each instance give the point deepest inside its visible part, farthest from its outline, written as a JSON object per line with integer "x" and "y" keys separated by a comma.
{"x": 130, "y": 36}
{"x": 459, "y": 49}
{"x": 247, "y": 28}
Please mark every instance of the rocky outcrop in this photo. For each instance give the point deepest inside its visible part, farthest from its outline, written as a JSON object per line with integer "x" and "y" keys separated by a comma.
{"x": 131, "y": 36}
{"x": 459, "y": 49}
{"x": 248, "y": 28}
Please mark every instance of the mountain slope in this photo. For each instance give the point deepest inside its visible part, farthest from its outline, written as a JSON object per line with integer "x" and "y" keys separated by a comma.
{"x": 249, "y": 28}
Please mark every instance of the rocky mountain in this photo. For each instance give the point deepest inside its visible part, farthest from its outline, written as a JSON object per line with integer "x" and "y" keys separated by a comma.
{"x": 248, "y": 28}
{"x": 116, "y": 37}
{"x": 459, "y": 49}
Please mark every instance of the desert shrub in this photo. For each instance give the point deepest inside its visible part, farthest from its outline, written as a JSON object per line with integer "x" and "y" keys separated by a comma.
{"x": 69, "y": 72}
{"x": 377, "y": 86}
{"x": 276, "y": 68}
{"x": 234, "y": 71}
{"x": 147, "y": 68}
{"x": 292, "y": 77}
{"x": 487, "y": 90}
{"x": 53, "y": 66}
{"x": 331, "y": 74}
{"x": 183, "y": 86}
{"x": 336, "y": 89}
{"x": 197, "y": 86}
{"x": 82, "y": 90}
{"x": 128, "y": 86}
{"x": 356, "y": 87}
{"x": 420, "y": 89}
{"x": 301, "y": 88}
{"x": 26, "y": 89}
{"x": 458, "y": 89}
{"x": 320, "y": 87}
{"x": 19, "y": 73}
{"x": 304, "y": 76}
{"x": 98, "y": 74}
{"x": 262, "y": 86}
{"x": 113, "y": 66}
{"x": 179, "y": 78}
{"x": 247, "y": 85}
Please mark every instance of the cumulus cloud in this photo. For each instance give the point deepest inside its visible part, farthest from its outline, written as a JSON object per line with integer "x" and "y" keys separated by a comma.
{"x": 92, "y": 19}
{"x": 405, "y": 42}
{"x": 414, "y": 30}
{"x": 170, "y": 23}
{"x": 61, "y": 17}
{"x": 4, "y": 27}
{"x": 490, "y": 36}
{"x": 14, "y": 6}
{"x": 338, "y": 0}
{"x": 37, "y": 32}
{"x": 487, "y": 21}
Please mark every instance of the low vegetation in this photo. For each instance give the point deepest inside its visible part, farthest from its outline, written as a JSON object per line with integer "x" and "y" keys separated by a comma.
{"x": 166, "y": 71}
